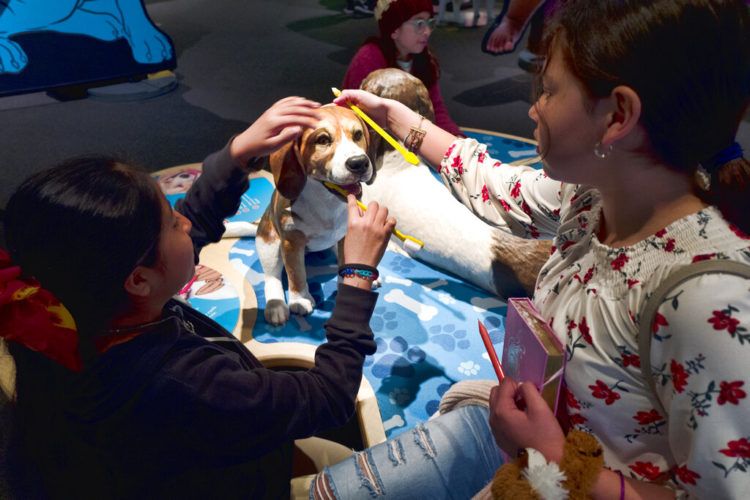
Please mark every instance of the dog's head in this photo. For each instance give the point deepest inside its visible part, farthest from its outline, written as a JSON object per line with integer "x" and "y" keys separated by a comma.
{"x": 337, "y": 150}
{"x": 396, "y": 84}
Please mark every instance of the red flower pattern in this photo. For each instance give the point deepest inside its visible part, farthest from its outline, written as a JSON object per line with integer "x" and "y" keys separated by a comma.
{"x": 481, "y": 156}
{"x": 679, "y": 376}
{"x": 505, "y": 205}
{"x": 702, "y": 257}
{"x": 669, "y": 247}
{"x": 567, "y": 245}
{"x": 631, "y": 360}
{"x": 602, "y": 391}
{"x": 739, "y": 448}
{"x": 485, "y": 193}
{"x": 647, "y": 417}
{"x": 515, "y": 192}
{"x": 646, "y": 470}
{"x": 632, "y": 283}
{"x": 660, "y": 233}
{"x": 525, "y": 207}
{"x": 458, "y": 165}
{"x": 577, "y": 419}
{"x": 571, "y": 400}
{"x": 659, "y": 321}
{"x": 685, "y": 475}
{"x": 739, "y": 232}
{"x": 730, "y": 392}
{"x": 584, "y": 329}
{"x": 723, "y": 321}
{"x": 619, "y": 262}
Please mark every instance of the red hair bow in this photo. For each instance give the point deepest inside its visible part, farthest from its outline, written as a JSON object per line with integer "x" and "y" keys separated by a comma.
{"x": 33, "y": 317}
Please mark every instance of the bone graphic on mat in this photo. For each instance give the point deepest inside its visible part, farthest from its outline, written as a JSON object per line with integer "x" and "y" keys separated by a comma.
{"x": 423, "y": 312}
{"x": 518, "y": 154}
{"x": 249, "y": 252}
{"x": 436, "y": 284}
{"x": 399, "y": 281}
{"x": 393, "y": 422}
{"x": 252, "y": 276}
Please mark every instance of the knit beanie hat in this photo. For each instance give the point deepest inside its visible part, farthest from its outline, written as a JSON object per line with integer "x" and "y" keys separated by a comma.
{"x": 391, "y": 14}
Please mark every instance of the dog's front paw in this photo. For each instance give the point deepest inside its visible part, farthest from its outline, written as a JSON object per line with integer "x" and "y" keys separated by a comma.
{"x": 302, "y": 304}
{"x": 277, "y": 312}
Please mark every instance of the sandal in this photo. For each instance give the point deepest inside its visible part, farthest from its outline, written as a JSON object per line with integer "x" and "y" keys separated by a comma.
{"x": 499, "y": 19}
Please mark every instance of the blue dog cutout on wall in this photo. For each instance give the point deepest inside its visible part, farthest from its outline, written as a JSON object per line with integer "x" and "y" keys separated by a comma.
{"x": 49, "y": 43}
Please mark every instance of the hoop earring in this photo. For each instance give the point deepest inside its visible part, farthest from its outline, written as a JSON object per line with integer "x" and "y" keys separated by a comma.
{"x": 602, "y": 154}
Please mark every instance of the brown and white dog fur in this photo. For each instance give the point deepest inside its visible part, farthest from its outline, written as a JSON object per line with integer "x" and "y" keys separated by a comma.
{"x": 303, "y": 214}
{"x": 454, "y": 238}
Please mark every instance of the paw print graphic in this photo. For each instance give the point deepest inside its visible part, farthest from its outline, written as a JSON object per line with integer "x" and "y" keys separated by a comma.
{"x": 432, "y": 405}
{"x": 383, "y": 319}
{"x": 402, "y": 265}
{"x": 468, "y": 368}
{"x": 448, "y": 337}
{"x": 495, "y": 328}
{"x": 446, "y": 298}
{"x": 395, "y": 357}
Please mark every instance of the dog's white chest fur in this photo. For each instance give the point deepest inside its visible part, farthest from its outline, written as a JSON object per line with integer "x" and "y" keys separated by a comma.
{"x": 320, "y": 215}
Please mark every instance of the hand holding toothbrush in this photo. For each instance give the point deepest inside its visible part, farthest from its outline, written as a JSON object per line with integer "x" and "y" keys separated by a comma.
{"x": 399, "y": 119}
{"x": 367, "y": 236}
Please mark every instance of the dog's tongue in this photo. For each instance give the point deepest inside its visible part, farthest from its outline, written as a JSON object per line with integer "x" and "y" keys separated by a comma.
{"x": 355, "y": 189}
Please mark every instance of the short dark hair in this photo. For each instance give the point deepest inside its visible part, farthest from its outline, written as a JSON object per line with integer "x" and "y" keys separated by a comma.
{"x": 688, "y": 61}
{"x": 80, "y": 228}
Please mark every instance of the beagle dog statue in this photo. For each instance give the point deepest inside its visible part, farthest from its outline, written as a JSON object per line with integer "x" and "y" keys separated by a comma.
{"x": 455, "y": 239}
{"x": 303, "y": 214}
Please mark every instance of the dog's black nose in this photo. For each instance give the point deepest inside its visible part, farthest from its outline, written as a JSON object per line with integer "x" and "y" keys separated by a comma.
{"x": 357, "y": 164}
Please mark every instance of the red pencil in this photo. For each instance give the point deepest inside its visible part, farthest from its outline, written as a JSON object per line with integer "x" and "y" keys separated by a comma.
{"x": 491, "y": 351}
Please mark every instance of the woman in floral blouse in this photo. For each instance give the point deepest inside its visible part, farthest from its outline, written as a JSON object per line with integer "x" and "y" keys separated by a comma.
{"x": 636, "y": 119}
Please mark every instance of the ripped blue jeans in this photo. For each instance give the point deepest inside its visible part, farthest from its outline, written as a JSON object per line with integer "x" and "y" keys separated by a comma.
{"x": 452, "y": 456}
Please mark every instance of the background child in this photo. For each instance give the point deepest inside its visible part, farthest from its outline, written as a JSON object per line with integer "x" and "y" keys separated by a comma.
{"x": 405, "y": 28}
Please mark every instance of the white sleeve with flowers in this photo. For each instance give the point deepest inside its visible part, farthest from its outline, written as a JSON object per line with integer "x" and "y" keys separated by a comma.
{"x": 524, "y": 198}
{"x": 699, "y": 357}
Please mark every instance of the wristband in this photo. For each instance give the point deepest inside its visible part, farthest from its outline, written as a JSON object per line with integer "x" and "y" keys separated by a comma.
{"x": 360, "y": 270}
{"x": 414, "y": 139}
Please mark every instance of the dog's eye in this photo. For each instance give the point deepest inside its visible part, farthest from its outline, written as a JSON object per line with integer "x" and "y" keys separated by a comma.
{"x": 323, "y": 140}
{"x": 357, "y": 135}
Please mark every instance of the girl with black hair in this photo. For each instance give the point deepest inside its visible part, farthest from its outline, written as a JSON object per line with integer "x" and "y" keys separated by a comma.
{"x": 639, "y": 107}
{"x": 118, "y": 392}
{"x": 405, "y": 27}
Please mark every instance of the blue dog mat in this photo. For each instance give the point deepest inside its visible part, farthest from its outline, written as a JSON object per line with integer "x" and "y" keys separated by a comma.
{"x": 425, "y": 321}
{"x": 425, "y": 325}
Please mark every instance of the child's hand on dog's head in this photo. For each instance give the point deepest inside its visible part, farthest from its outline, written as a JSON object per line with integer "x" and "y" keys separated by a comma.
{"x": 279, "y": 124}
{"x": 367, "y": 234}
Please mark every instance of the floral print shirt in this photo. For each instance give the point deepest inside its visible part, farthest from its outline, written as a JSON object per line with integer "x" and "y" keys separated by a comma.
{"x": 592, "y": 294}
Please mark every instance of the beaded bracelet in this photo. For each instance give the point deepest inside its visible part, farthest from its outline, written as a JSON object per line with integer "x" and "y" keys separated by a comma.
{"x": 360, "y": 270}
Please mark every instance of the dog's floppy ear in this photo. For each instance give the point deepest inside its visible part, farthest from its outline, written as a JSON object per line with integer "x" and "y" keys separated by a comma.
{"x": 288, "y": 174}
{"x": 374, "y": 151}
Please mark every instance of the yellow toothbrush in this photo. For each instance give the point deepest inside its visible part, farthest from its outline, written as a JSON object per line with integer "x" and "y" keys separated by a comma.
{"x": 409, "y": 242}
{"x": 408, "y": 155}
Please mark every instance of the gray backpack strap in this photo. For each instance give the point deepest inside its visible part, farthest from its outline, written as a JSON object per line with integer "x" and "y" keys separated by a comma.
{"x": 648, "y": 314}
